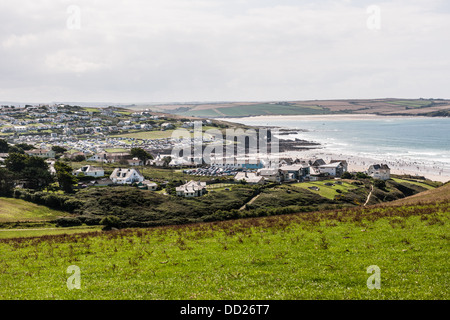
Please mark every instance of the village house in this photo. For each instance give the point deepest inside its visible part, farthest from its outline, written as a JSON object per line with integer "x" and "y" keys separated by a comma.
{"x": 135, "y": 162}
{"x": 296, "y": 172}
{"x": 41, "y": 153}
{"x": 343, "y": 162}
{"x": 379, "y": 171}
{"x": 316, "y": 175}
{"x": 109, "y": 157}
{"x": 160, "y": 160}
{"x": 335, "y": 169}
{"x": 126, "y": 176}
{"x": 90, "y": 171}
{"x": 147, "y": 185}
{"x": 271, "y": 174}
{"x": 249, "y": 177}
{"x": 191, "y": 189}
{"x": 317, "y": 162}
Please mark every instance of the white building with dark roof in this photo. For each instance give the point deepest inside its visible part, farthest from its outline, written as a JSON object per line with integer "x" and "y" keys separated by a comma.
{"x": 90, "y": 171}
{"x": 249, "y": 177}
{"x": 191, "y": 189}
{"x": 126, "y": 176}
{"x": 379, "y": 171}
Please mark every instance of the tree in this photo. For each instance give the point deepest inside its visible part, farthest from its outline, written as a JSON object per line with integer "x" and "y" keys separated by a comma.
{"x": 141, "y": 154}
{"x": 362, "y": 175}
{"x": 59, "y": 149}
{"x": 380, "y": 184}
{"x": 79, "y": 158}
{"x": 15, "y": 149}
{"x": 25, "y": 146}
{"x": 64, "y": 175}
{"x": 16, "y": 162}
{"x": 6, "y": 182}
{"x": 346, "y": 175}
{"x": 32, "y": 171}
{"x": 4, "y": 147}
{"x": 166, "y": 161}
{"x": 36, "y": 177}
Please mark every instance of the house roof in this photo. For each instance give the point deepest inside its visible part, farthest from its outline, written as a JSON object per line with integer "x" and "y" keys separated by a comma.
{"x": 268, "y": 172}
{"x": 344, "y": 162}
{"x": 124, "y": 173}
{"x": 89, "y": 168}
{"x": 318, "y": 162}
{"x": 331, "y": 165}
{"x": 191, "y": 186}
{"x": 294, "y": 167}
{"x": 248, "y": 176}
{"x": 380, "y": 166}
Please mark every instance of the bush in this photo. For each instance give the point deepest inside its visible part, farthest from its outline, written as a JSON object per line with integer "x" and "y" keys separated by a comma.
{"x": 72, "y": 204}
{"x": 380, "y": 184}
{"x": 110, "y": 222}
{"x": 347, "y": 175}
{"x": 68, "y": 222}
{"x": 362, "y": 175}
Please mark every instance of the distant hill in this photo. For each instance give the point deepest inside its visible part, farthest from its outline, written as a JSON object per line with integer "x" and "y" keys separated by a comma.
{"x": 415, "y": 107}
{"x": 439, "y": 194}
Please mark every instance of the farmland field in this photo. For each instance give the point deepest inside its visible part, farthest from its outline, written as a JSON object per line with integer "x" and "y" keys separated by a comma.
{"x": 256, "y": 110}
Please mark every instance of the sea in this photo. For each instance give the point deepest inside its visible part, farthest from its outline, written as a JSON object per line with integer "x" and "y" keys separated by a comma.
{"x": 409, "y": 139}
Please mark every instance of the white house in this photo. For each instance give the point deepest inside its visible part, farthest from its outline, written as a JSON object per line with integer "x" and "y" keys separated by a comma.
{"x": 249, "y": 177}
{"x": 159, "y": 160}
{"x": 135, "y": 162}
{"x": 41, "y": 153}
{"x": 191, "y": 189}
{"x": 335, "y": 169}
{"x": 90, "y": 171}
{"x": 98, "y": 157}
{"x": 271, "y": 174}
{"x": 379, "y": 171}
{"x": 149, "y": 185}
{"x": 126, "y": 176}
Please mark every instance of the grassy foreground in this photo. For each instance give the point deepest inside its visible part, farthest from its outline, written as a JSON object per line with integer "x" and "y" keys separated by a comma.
{"x": 315, "y": 255}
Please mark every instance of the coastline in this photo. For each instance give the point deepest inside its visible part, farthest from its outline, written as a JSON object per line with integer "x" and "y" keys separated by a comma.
{"x": 358, "y": 163}
{"x": 328, "y": 117}
{"x": 432, "y": 170}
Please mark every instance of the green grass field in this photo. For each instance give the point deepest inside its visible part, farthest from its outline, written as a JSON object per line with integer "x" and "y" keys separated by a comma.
{"x": 317, "y": 255}
{"x": 16, "y": 210}
{"x": 156, "y": 134}
{"x": 410, "y": 104}
{"x": 417, "y": 183}
{"x": 325, "y": 191}
{"x": 39, "y": 232}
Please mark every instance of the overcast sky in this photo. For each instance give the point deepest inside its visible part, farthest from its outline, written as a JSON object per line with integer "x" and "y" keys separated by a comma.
{"x": 222, "y": 50}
